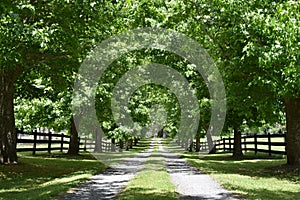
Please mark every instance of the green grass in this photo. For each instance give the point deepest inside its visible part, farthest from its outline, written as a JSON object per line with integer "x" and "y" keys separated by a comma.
{"x": 114, "y": 158}
{"x": 255, "y": 177}
{"x": 41, "y": 177}
{"x": 49, "y": 176}
{"x": 153, "y": 182}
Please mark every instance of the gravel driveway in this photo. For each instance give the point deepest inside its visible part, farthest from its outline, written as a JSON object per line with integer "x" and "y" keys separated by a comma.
{"x": 190, "y": 182}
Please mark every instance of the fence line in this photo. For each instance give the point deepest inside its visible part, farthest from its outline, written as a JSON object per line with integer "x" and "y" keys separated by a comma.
{"x": 104, "y": 146}
{"x": 54, "y": 142}
{"x": 251, "y": 143}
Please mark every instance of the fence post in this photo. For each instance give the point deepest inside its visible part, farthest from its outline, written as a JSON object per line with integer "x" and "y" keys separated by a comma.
{"x": 229, "y": 143}
{"x": 245, "y": 145}
{"x": 224, "y": 146}
{"x": 255, "y": 143}
{"x": 62, "y": 142}
{"x": 34, "y": 141}
{"x": 284, "y": 139}
{"x": 269, "y": 143}
{"x": 79, "y": 140}
{"x": 49, "y": 141}
{"x": 21, "y": 131}
{"x": 85, "y": 143}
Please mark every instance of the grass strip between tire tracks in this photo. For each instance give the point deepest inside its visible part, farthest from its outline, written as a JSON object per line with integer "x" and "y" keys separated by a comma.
{"x": 152, "y": 182}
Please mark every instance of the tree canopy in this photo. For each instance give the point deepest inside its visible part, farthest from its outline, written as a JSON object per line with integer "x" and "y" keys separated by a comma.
{"x": 255, "y": 46}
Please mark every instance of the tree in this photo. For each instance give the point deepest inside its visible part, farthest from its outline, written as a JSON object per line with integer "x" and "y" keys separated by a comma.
{"x": 74, "y": 140}
{"x": 49, "y": 37}
{"x": 257, "y": 43}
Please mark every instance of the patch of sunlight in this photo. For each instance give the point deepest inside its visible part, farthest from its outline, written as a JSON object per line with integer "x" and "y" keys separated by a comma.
{"x": 65, "y": 180}
{"x": 4, "y": 176}
{"x": 242, "y": 181}
{"x": 254, "y": 160}
{"x": 13, "y": 190}
{"x": 71, "y": 159}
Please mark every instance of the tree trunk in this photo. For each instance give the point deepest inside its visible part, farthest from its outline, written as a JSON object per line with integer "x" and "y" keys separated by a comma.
{"x": 186, "y": 144}
{"x": 191, "y": 145}
{"x": 135, "y": 141}
{"x": 237, "y": 146}
{"x": 121, "y": 145}
{"x": 98, "y": 140}
{"x": 211, "y": 146}
{"x": 74, "y": 140}
{"x": 126, "y": 145}
{"x": 292, "y": 107}
{"x": 130, "y": 143}
{"x": 113, "y": 144}
{"x": 8, "y": 135}
{"x": 197, "y": 144}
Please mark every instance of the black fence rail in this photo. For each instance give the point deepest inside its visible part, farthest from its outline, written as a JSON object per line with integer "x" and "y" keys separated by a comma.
{"x": 268, "y": 143}
{"x": 37, "y": 141}
{"x": 51, "y": 141}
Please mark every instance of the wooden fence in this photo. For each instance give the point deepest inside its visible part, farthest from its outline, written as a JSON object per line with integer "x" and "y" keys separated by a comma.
{"x": 36, "y": 141}
{"x": 268, "y": 143}
{"x": 104, "y": 146}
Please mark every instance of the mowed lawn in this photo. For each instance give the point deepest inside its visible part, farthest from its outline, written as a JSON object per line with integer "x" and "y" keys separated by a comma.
{"x": 40, "y": 177}
{"x": 48, "y": 177}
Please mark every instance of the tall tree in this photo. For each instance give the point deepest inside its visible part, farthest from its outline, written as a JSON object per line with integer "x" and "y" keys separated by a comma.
{"x": 258, "y": 43}
{"x": 51, "y": 37}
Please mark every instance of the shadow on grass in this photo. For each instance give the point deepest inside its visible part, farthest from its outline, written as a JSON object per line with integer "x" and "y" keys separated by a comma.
{"x": 261, "y": 166}
{"x": 264, "y": 169}
{"x": 42, "y": 178}
{"x": 47, "y": 188}
{"x": 46, "y": 176}
{"x": 139, "y": 193}
{"x": 271, "y": 194}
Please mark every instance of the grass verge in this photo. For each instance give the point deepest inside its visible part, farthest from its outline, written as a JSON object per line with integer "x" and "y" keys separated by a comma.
{"x": 40, "y": 177}
{"x": 48, "y": 177}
